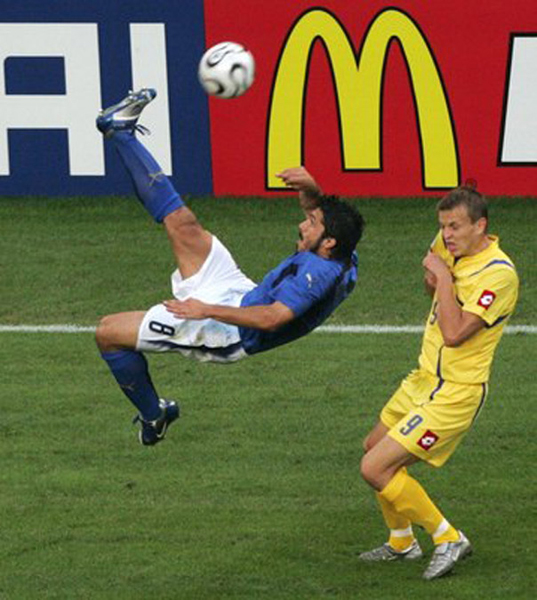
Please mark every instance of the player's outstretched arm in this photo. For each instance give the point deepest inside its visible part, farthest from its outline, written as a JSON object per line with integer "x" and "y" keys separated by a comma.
{"x": 267, "y": 317}
{"x": 297, "y": 178}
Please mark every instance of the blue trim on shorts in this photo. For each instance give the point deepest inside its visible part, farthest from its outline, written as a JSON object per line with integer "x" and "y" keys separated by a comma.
{"x": 481, "y": 402}
{"x": 439, "y": 363}
{"x": 220, "y": 351}
{"x": 437, "y": 388}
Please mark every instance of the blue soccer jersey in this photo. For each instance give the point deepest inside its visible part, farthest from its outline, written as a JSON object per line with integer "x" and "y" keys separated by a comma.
{"x": 311, "y": 286}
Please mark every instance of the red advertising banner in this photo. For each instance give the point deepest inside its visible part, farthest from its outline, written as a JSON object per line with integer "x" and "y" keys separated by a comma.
{"x": 409, "y": 98}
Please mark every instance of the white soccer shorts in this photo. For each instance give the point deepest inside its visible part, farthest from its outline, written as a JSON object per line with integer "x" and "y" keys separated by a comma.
{"x": 219, "y": 281}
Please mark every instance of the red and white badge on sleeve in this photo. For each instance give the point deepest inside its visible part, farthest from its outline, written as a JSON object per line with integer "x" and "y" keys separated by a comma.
{"x": 428, "y": 440}
{"x": 486, "y": 299}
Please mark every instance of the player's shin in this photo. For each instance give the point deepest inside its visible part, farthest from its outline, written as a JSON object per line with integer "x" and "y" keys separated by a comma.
{"x": 410, "y": 499}
{"x": 130, "y": 371}
{"x": 153, "y": 188}
{"x": 401, "y": 534}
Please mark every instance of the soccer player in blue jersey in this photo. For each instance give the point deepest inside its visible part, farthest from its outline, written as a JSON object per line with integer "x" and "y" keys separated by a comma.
{"x": 218, "y": 314}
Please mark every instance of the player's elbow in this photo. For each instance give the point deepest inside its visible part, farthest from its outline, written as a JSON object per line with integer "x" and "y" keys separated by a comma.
{"x": 271, "y": 323}
{"x": 451, "y": 335}
{"x": 456, "y": 335}
{"x": 275, "y": 317}
{"x": 452, "y": 341}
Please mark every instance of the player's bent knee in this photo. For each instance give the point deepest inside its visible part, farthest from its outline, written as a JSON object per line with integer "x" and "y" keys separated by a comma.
{"x": 369, "y": 472}
{"x": 104, "y": 336}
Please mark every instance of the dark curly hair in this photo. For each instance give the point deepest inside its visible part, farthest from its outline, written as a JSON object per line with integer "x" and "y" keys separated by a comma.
{"x": 342, "y": 222}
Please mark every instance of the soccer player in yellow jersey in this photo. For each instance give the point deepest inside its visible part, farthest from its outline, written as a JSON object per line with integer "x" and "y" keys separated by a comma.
{"x": 474, "y": 287}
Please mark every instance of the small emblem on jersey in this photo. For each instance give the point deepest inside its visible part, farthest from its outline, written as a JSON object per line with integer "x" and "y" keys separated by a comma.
{"x": 486, "y": 299}
{"x": 428, "y": 440}
{"x": 310, "y": 279}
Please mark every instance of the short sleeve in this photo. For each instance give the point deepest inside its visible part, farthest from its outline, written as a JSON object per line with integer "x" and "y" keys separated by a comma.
{"x": 303, "y": 290}
{"x": 494, "y": 296}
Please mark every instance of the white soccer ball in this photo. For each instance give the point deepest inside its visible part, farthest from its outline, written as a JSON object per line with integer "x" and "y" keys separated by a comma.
{"x": 226, "y": 70}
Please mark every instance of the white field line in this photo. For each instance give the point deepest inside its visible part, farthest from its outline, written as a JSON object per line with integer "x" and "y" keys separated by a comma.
{"x": 405, "y": 329}
{"x": 375, "y": 329}
{"x": 46, "y": 329}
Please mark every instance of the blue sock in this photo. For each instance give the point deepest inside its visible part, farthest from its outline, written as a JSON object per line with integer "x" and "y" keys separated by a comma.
{"x": 154, "y": 190}
{"x": 130, "y": 370}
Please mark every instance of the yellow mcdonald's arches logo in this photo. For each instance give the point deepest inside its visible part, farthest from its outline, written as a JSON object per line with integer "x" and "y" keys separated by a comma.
{"x": 358, "y": 85}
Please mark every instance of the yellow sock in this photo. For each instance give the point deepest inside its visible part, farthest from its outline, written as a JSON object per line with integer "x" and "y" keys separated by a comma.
{"x": 445, "y": 533}
{"x": 409, "y": 499}
{"x": 401, "y": 534}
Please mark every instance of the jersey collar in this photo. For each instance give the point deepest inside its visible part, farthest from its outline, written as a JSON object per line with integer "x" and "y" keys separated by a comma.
{"x": 484, "y": 255}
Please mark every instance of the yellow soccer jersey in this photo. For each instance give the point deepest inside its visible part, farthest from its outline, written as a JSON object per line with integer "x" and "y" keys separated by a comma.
{"x": 486, "y": 285}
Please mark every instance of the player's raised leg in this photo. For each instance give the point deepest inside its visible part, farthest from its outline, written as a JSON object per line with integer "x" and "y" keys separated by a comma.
{"x": 191, "y": 244}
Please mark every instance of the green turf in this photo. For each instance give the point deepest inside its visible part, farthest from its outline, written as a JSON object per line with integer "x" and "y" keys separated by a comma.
{"x": 73, "y": 260}
{"x": 256, "y": 491}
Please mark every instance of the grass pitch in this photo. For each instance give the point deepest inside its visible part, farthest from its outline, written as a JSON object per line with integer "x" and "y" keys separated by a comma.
{"x": 256, "y": 491}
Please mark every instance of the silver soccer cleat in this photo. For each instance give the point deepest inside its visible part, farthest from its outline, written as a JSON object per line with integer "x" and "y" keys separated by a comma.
{"x": 386, "y": 552}
{"x": 446, "y": 555}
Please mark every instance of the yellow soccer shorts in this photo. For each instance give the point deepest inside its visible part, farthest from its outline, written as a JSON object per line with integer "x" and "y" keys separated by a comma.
{"x": 429, "y": 416}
